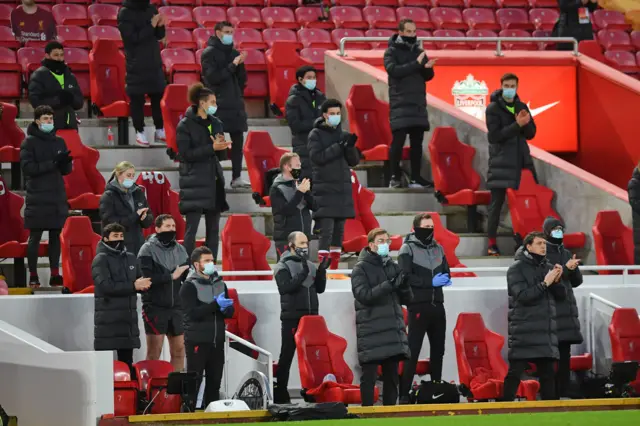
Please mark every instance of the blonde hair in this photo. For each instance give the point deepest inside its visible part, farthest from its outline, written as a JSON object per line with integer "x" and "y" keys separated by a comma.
{"x": 122, "y": 167}
{"x": 286, "y": 159}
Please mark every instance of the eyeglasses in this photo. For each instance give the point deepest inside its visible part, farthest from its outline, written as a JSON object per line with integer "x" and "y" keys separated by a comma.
{"x": 383, "y": 241}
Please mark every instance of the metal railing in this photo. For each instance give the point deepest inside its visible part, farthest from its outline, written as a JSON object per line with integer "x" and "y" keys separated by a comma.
{"x": 253, "y": 347}
{"x": 497, "y": 40}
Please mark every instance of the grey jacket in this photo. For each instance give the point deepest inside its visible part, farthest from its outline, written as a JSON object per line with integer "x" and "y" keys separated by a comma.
{"x": 298, "y": 288}
{"x": 423, "y": 262}
{"x": 158, "y": 262}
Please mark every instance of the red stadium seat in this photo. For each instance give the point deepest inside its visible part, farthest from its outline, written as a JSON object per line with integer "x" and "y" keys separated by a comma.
{"x": 543, "y": 19}
{"x": 241, "y": 324}
{"x": 179, "y": 2}
{"x": 85, "y": 183}
{"x": 125, "y": 390}
{"x": 208, "y": 16}
{"x": 624, "y": 332}
{"x": 7, "y": 39}
{"x": 610, "y": 20}
{"x": 521, "y": 4}
{"x": 426, "y": 45}
{"x": 612, "y": 240}
{"x": 615, "y": 40}
{"x": 261, "y": 155}
{"x": 481, "y": 367}
{"x": 530, "y": 205}
{"x": 174, "y": 103}
{"x": 249, "y": 38}
{"x": 482, "y": 33}
{"x": 309, "y": 17}
{"x": 10, "y": 75}
{"x": 241, "y": 3}
{"x": 480, "y": 19}
{"x": 78, "y": 61}
{"x": 622, "y": 61}
{"x": 5, "y": 14}
{"x": 103, "y": 14}
{"x": 245, "y": 17}
{"x": 73, "y": 36}
{"x": 544, "y": 45}
{"x": 489, "y": 4}
{"x": 201, "y": 36}
{"x": 635, "y": 39}
{"x": 379, "y": 33}
{"x": 224, "y": 3}
{"x": 103, "y": 32}
{"x": 181, "y": 66}
{"x": 448, "y": 3}
{"x": 11, "y": 136}
{"x": 257, "y": 79}
{"x": 178, "y": 16}
{"x": 282, "y": 63}
{"x": 517, "y": 45}
{"x": 347, "y": 17}
{"x": 451, "y": 45}
{"x": 315, "y": 37}
{"x": 543, "y": 3}
{"x": 447, "y": 18}
{"x": 152, "y": 382}
{"x": 279, "y": 17}
{"x": 271, "y": 36}
{"x": 156, "y": 185}
{"x": 78, "y": 245}
{"x": 109, "y": 1}
{"x": 355, "y": 3}
{"x": 415, "y": 3}
{"x": 282, "y": 3}
{"x": 419, "y": 15}
{"x": 71, "y": 14}
{"x": 338, "y": 34}
{"x": 390, "y": 3}
{"x": 380, "y": 17}
{"x": 179, "y": 38}
{"x": 321, "y": 352}
{"x": 514, "y": 19}
{"x": 107, "y": 71}
{"x": 244, "y": 248}
{"x": 369, "y": 119}
{"x": 13, "y": 236}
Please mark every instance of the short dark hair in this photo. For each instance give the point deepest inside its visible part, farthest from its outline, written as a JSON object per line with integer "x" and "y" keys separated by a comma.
{"x": 404, "y": 22}
{"x": 300, "y": 72}
{"x": 528, "y": 240}
{"x": 417, "y": 220}
{"x": 197, "y": 92}
{"x": 330, "y": 103}
{"x": 110, "y": 228}
{"x": 53, "y": 45}
{"x": 42, "y": 110}
{"x": 161, "y": 218}
{"x": 286, "y": 159}
{"x": 509, "y": 76}
{"x": 198, "y": 252}
{"x": 371, "y": 236}
{"x": 220, "y": 25}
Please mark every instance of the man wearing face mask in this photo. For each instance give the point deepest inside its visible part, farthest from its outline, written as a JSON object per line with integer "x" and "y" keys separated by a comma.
{"x": 301, "y": 111}
{"x": 165, "y": 262}
{"x": 567, "y": 321}
{"x": 424, "y": 262}
{"x": 206, "y": 304}
{"x": 299, "y": 283}
{"x": 380, "y": 288}
{"x": 44, "y": 160}
{"x": 409, "y": 69}
{"x": 117, "y": 281}
{"x": 55, "y": 85}
{"x": 291, "y": 202}
{"x": 509, "y": 127}
{"x": 332, "y": 152}
{"x": 533, "y": 288}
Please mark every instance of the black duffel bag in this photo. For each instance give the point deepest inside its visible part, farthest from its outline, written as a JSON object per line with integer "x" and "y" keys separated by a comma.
{"x": 320, "y": 411}
{"x": 434, "y": 393}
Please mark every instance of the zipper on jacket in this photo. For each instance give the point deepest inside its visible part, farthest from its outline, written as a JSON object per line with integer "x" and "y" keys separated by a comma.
{"x": 433, "y": 289}
{"x": 215, "y": 330}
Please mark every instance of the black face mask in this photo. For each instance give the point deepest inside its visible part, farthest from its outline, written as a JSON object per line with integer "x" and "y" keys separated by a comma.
{"x": 425, "y": 235}
{"x": 556, "y": 241}
{"x": 166, "y": 237}
{"x": 303, "y": 253}
{"x": 295, "y": 173}
{"x": 57, "y": 67}
{"x": 409, "y": 40}
{"x": 538, "y": 258}
{"x": 116, "y": 245}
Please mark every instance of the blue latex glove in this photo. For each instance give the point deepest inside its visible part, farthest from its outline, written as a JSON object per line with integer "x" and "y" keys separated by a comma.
{"x": 441, "y": 280}
{"x": 223, "y": 302}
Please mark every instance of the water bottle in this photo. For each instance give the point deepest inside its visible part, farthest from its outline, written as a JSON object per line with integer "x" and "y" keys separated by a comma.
{"x": 110, "y": 137}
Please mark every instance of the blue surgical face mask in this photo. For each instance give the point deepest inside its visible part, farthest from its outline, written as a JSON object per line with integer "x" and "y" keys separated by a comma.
{"x": 383, "y": 249}
{"x": 227, "y": 39}
{"x": 557, "y": 233}
{"x": 310, "y": 84}
{"x": 128, "y": 183}
{"x": 209, "y": 268}
{"x": 211, "y": 109}
{"x": 509, "y": 93}
{"x": 333, "y": 120}
{"x": 46, "y": 127}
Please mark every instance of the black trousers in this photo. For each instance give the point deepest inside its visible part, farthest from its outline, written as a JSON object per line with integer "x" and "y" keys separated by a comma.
{"x": 497, "y": 201}
{"x": 429, "y": 319}
{"x": 136, "y": 106}
{"x": 236, "y": 154}
{"x": 331, "y": 233}
{"x": 212, "y": 224}
{"x": 416, "y": 135}
{"x": 546, "y": 375}
{"x": 33, "y": 244}
{"x": 563, "y": 373}
{"x": 206, "y": 358}
{"x": 389, "y": 382}
{"x": 281, "y": 247}
{"x": 287, "y": 350}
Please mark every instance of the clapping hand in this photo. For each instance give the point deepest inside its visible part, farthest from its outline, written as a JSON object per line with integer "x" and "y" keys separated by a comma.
{"x": 421, "y": 57}
{"x": 523, "y": 118}
{"x": 223, "y": 302}
{"x": 441, "y": 280}
{"x": 552, "y": 276}
{"x": 219, "y": 144}
{"x": 155, "y": 19}
{"x": 143, "y": 213}
{"x": 142, "y": 284}
{"x": 324, "y": 264}
{"x": 240, "y": 58}
{"x": 303, "y": 186}
{"x": 573, "y": 263}
{"x": 177, "y": 273}
{"x": 431, "y": 63}
{"x": 62, "y": 157}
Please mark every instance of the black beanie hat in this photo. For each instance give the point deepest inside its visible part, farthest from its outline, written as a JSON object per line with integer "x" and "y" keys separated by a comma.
{"x": 549, "y": 224}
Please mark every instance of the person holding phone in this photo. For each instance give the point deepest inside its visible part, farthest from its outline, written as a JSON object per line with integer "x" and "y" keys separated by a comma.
{"x": 200, "y": 139}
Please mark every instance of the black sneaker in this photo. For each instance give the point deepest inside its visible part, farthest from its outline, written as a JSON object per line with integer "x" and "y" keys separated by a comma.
{"x": 395, "y": 183}
{"x": 281, "y": 395}
{"x": 493, "y": 251}
{"x": 34, "y": 282}
{"x": 56, "y": 281}
{"x": 420, "y": 183}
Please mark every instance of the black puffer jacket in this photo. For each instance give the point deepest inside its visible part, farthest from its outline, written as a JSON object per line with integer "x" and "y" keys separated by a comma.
{"x": 380, "y": 326}
{"x": 203, "y": 319}
{"x": 532, "y": 309}
{"x": 116, "y": 302}
{"x": 44, "y": 89}
{"x": 158, "y": 262}
{"x": 508, "y": 148}
{"x": 118, "y": 205}
{"x": 298, "y": 290}
{"x": 568, "y": 24}
{"x": 407, "y": 89}
{"x": 634, "y": 200}
{"x": 141, "y": 48}
{"x": 331, "y": 166}
{"x": 227, "y": 81}
{"x": 201, "y": 177}
{"x": 46, "y": 204}
{"x": 301, "y": 111}
{"x": 291, "y": 209}
{"x": 423, "y": 262}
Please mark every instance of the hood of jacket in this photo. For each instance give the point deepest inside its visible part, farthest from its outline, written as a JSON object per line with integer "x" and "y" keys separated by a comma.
{"x": 299, "y": 89}
{"x": 496, "y": 96}
{"x": 281, "y": 180}
{"x": 412, "y": 239}
{"x": 396, "y": 42}
{"x": 523, "y": 255}
{"x": 34, "y": 130}
{"x": 549, "y": 224}
{"x": 321, "y": 124}
{"x": 136, "y": 4}
{"x": 636, "y": 173}
{"x": 103, "y": 248}
{"x": 113, "y": 185}
{"x": 375, "y": 259}
{"x": 216, "y": 43}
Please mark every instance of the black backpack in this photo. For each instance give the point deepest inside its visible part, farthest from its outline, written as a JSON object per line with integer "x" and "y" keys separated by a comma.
{"x": 269, "y": 176}
{"x": 434, "y": 393}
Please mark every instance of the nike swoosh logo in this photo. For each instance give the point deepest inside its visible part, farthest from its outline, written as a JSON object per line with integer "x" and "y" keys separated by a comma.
{"x": 437, "y": 396}
{"x": 537, "y": 111}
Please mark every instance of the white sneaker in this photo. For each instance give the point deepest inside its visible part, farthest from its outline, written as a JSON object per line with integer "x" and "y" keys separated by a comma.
{"x": 161, "y": 136}
{"x": 240, "y": 183}
{"x": 141, "y": 139}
